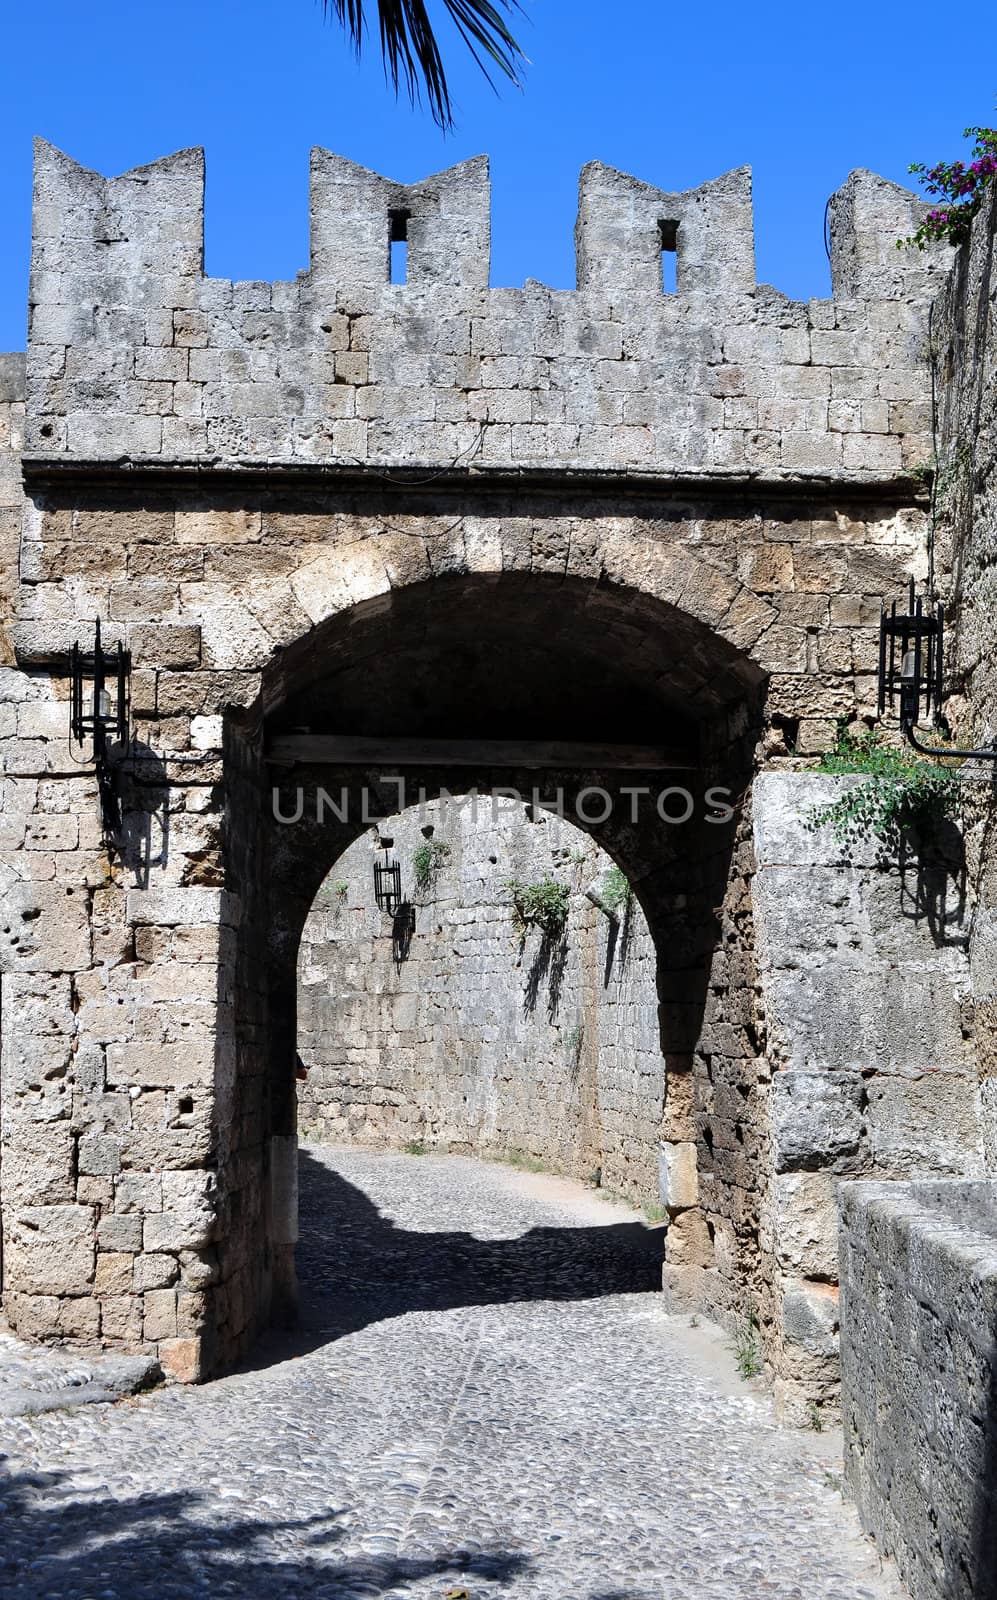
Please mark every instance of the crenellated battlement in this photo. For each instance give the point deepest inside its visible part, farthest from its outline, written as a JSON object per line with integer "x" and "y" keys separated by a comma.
{"x": 134, "y": 352}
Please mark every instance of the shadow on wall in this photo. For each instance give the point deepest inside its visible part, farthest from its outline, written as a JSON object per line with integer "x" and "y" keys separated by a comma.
{"x": 549, "y": 961}
{"x": 61, "y": 1540}
{"x": 933, "y": 883}
{"x": 355, "y": 1267}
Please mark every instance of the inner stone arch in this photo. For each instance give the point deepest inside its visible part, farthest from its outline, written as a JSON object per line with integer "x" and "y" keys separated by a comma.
{"x": 446, "y": 1026}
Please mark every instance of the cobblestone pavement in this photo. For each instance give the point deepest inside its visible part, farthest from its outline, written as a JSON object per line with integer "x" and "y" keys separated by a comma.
{"x": 487, "y": 1396}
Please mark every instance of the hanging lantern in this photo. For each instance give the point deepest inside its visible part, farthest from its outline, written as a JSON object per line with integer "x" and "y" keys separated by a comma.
{"x": 98, "y": 710}
{"x": 387, "y": 880}
{"x": 99, "y": 698}
{"x": 910, "y": 661}
{"x": 911, "y": 666}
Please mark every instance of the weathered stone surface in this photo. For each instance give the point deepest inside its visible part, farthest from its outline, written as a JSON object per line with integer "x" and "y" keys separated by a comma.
{"x": 918, "y": 1297}
{"x": 52, "y": 1248}
{"x": 810, "y": 1317}
{"x": 44, "y": 927}
{"x": 678, "y": 1175}
{"x": 816, "y": 1118}
{"x": 353, "y": 369}
{"x": 806, "y": 1224}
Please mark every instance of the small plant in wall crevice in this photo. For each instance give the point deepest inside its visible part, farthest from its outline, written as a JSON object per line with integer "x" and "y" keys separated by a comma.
{"x": 615, "y": 891}
{"x": 543, "y": 905}
{"x": 427, "y": 859}
{"x": 573, "y": 1041}
{"x": 334, "y": 893}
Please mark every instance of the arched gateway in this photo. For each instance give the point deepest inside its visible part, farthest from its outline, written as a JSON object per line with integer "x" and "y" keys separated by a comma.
{"x": 351, "y": 533}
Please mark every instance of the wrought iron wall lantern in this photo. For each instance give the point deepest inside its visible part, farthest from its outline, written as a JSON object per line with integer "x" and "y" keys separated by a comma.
{"x": 99, "y": 707}
{"x": 911, "y": 667}
{"x": 100, "y": 711}
{"x": 387, "y": 880}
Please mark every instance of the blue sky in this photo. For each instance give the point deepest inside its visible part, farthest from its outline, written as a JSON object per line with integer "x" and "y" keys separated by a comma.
{"x": 675, "y": 93}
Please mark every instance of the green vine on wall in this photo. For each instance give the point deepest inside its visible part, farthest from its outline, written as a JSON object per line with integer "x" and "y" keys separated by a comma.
{"x": 542, "y": 905}
{"x": 904, "y": 791}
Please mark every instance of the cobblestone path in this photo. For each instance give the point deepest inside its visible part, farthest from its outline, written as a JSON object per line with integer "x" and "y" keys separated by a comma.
{"x": 487, "y": 1397}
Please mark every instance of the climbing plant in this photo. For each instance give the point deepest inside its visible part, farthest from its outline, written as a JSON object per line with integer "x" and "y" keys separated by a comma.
{"x": 904, "y": 791}
{"x": 542, "y": 905}
{"x": 958, "y": 188}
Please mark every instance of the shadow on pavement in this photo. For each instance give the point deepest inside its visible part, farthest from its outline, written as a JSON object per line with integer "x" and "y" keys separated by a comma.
{"x": 66, "y": 1544}
{"x": 356, "y": 1267}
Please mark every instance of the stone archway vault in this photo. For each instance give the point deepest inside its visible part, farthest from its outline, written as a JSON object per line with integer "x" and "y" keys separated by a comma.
{"x": 162, "y": 1070}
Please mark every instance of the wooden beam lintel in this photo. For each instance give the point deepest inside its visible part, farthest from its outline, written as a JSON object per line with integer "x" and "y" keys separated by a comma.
{"x": 319, "y": 749}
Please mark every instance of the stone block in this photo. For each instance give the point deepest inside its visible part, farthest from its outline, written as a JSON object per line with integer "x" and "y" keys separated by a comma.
{"x": 678, "y": 1180}
{"x": 805, "y": 1224}
{"x": 193, "y": 1309}
{"x": 925, "y": 1123}
{"x": 810, "y": 1317}
{"x": 155, "y": 1272}
{"x": 183, "y": 1359}
{"x": 688, "y": 1242}
{"x": 79, "y": 1318}
{"x": 33, "y": 1316}
{"x": 683, "y": 1288}
{"x": 816, "y": 1118}
{"x": 171, "y": 1232}
{"x": 119, "y": 1233}
{"x": 175, "y": 647}
{"x": 121, "y": 1319}
{"x": 159, "y": 1314}
{"x": 37, "y": 1162}
{"x": 99, "y": 1154}
{"x": 198, "y": 1268}
{"x": 218, "y": 527}
{"x": 50, "y": 1249}
{"x": 136, "y": 1192}
{"x": 184, "y": 908}
{"x": 168, "y": 1066}
{"x": 44, "y": 927}
{"x": 113, "y": 1273}
{"x": 95, "y": 1192}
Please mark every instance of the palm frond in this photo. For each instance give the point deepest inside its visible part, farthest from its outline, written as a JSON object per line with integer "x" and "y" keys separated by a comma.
{"x": 410, "y": 50}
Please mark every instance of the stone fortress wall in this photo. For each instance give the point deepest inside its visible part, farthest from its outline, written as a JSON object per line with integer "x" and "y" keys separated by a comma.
{"x": 918, "y": 1260}
{"x": 253, "y": 485}
{"x": 135, "y": 354}
{"x": 476, "y": 1040}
